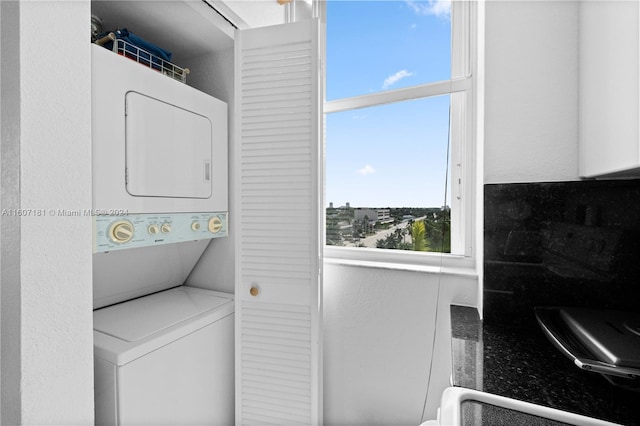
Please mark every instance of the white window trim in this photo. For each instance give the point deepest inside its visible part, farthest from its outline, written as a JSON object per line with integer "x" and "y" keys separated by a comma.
{"x": 399, "y": 95}
{"x": 462, "y": 88}
{"x": 431, "y": 262}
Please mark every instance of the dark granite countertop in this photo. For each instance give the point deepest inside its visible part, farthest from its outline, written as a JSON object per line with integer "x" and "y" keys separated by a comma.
{"x": 521, "y": 363}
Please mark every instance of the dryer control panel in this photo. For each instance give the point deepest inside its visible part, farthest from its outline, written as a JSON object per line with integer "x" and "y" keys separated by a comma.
{"x": 143, "y": 230}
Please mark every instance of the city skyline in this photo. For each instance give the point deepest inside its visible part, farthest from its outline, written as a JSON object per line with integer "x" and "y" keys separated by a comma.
{"x": 347, "y": 204}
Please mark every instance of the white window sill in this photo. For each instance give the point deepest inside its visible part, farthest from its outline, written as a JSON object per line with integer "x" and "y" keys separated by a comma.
{"x": 433, "y": 263}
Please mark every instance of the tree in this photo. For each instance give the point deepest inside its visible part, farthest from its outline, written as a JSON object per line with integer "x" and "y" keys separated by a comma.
{"x": 365, "y": 225}
{"x": 418, "y": 236}
{"x": 389, "y": 242}
{"x": 438, "y": 232}
{"x": 355, "y": 232}
{"x": 407, "y": 229}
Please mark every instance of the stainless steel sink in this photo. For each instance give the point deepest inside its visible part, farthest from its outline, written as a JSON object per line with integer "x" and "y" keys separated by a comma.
{"x": 461, "y": 406}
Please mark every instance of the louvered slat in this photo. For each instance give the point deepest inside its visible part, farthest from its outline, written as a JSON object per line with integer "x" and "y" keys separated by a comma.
{"x": 277, "y": 331}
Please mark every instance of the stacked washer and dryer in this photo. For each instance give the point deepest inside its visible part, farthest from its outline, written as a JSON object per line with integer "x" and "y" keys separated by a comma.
{"x": 163, "y": 351}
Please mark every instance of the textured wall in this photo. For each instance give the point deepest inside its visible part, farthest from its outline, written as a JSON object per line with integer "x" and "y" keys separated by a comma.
{"x": 10, "y": 229}
{"x": 46, "y": 271}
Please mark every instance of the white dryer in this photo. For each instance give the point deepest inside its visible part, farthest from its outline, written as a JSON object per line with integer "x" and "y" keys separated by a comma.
{"x": 165, "y": 359}
{"x": 158, "y": 145}
{"x": 160, "y": 177}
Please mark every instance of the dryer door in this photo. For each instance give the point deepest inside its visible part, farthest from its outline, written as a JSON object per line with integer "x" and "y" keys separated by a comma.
{"x": 168, "y": 150}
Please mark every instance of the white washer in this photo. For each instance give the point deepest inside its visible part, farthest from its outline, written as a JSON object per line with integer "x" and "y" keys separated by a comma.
{"x": 166, "y": 358}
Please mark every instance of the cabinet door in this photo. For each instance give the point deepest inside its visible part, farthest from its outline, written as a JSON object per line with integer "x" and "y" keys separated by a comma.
{"x": 278, "y": 276}
{"x": 609, "y": 89}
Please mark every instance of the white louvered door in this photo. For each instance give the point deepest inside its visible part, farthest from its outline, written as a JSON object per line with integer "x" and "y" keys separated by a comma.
{"x": 278, "y": 252}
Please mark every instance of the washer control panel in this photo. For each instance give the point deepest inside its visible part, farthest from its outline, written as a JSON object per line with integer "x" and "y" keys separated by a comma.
{"x": 143, "y": 230}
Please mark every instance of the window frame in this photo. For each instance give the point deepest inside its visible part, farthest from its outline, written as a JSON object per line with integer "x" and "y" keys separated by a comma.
{"x": 462, "y": 90}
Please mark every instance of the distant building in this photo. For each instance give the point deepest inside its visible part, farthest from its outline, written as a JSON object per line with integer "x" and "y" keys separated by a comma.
{"x": 374, "y": 215}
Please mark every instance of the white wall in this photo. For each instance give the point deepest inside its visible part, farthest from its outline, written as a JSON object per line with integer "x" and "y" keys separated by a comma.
{"x": 531, "y": 108}
{"x": 10, "y": 225}
{"x": 47, "y": 338}
{"x": 378, "y": 335}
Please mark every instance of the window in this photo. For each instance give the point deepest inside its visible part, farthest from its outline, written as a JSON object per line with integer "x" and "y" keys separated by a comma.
{"x": 398, "y": 127}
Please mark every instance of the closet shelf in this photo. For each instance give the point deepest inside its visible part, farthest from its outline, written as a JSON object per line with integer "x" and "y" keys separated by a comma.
{"x": 143, "y": 57}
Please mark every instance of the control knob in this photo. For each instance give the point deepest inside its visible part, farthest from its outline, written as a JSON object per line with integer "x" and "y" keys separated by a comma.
{"x": 121, "y": 231}
{"x": 215, "y": 224}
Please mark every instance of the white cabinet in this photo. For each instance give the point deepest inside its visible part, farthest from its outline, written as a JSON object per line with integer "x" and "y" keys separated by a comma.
{"x": 609, "y": 141}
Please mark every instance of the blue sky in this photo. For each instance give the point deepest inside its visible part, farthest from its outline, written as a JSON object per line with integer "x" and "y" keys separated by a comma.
{"x": 393, "y": 155}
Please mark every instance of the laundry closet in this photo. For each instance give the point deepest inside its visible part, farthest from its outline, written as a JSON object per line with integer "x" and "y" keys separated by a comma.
{"x": 206, "y": 181}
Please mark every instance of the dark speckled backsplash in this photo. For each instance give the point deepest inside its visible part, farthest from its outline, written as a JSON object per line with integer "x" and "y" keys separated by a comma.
{"x": 560, "y": 244}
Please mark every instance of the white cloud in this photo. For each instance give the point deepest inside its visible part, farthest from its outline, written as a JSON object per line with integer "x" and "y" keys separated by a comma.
{"x": 438, "y": 8}
{"x": 366, "y": 170}
{"x": 393, "y": 79}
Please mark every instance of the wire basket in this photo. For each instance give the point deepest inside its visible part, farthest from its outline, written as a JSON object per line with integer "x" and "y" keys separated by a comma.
{"x": 135, "y": 53}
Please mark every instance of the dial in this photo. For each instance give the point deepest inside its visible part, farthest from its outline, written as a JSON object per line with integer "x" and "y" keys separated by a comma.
{"x": 165, "y": 228}
{"x": 121, "y": 231}
{"x": 153, "y": 229}
{"x": 215, "y": 225}
{"x": 195, "y": 226}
